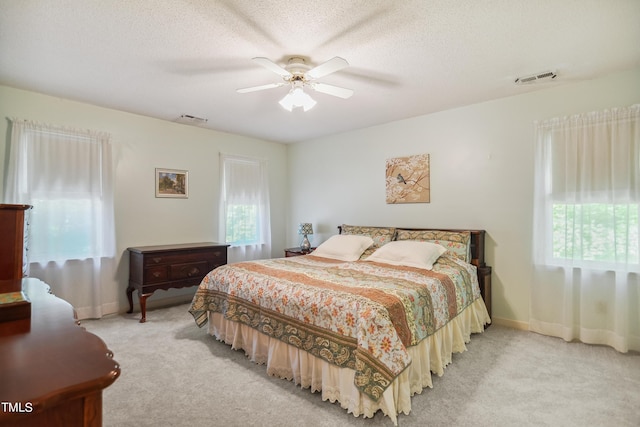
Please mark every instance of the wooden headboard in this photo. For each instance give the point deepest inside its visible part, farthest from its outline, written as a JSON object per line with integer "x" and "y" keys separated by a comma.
{"x": 477, "y": 259}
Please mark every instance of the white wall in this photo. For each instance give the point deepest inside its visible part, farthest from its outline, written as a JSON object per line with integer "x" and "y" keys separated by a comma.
{"x": 140, "y": 145}
{"x": 481, "y": 176}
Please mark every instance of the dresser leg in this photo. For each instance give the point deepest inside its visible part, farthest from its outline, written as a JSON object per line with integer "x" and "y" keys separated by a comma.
{"x": 130, "y": 298}
{"x": 143, "y": 306}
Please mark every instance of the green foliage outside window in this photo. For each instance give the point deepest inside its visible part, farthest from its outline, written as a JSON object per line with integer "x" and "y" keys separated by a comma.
{"x": 596, "y": 232}
{"x": 65, "y": 228}
{"x": 242, "y": 224}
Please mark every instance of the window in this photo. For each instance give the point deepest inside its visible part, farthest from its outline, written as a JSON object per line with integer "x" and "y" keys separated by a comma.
{"x": 242, "y": 224}
{"x": 588, "y": 190}
{"x": 66, "y": 175}
{"x": 596, "y": 233}
{"x": 245, "y": 215}
{"x": 585, "y": 231}
{"x": 61, "y": 229}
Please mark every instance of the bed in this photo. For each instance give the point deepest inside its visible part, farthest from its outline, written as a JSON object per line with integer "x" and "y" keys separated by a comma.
{"x": 365, "y": 319}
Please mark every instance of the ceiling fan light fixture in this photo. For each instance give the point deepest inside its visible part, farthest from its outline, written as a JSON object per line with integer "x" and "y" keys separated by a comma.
{"x": 298, "y": 75}
{"x": 287, "y": 102}
{"x": 304, "y": 100}
{"x": 297, "y": 98}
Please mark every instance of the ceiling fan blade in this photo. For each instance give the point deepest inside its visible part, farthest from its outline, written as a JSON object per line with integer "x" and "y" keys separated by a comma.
{"x": 262, "y": 87}
{"x": 272, "y": 66}
{"x": 340, "y": 92}
{"x": 331, "y": 66}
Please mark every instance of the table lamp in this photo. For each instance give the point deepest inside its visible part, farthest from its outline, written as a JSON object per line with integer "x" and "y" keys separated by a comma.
{"x": 305, "y": 228}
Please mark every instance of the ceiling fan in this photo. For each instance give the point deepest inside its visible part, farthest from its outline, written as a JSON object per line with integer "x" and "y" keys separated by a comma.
{"x": 298, "y": 75}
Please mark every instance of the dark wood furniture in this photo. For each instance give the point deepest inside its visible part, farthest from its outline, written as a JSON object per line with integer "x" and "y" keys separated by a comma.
{"x": 14, "y": 305}
{"x": 12, "y": 230}
{"x": 53, "y": 373}
{"x": 170, "y": 266}
{"x": 289, "y": 252}
{"x": 484, "y": 280}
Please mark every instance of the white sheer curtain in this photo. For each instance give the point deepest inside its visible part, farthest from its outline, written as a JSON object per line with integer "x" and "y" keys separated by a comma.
{"x": 244, "y": 209}
{"x": 586, "y": 244}
{"x": 66, "y": 174}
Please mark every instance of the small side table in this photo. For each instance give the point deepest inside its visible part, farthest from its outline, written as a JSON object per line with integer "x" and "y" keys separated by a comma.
{"x": 289, "y": 252}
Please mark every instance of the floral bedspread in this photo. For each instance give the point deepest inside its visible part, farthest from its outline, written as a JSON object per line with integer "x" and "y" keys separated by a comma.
{"x": 360, "y": 315}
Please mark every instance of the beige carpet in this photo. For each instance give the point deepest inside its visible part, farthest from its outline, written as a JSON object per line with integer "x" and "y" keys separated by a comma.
{"x": 174, "y": 374}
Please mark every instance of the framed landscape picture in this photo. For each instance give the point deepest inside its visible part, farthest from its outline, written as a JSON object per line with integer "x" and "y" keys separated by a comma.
{"x": 172, "y": 183}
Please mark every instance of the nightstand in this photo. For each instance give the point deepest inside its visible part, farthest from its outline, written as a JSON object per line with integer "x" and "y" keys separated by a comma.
{"x": 289, "y": 252}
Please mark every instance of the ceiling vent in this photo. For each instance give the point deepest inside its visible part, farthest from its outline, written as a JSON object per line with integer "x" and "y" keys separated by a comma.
{"x": 191, "y": 120}
{"x": 547, "y": 75}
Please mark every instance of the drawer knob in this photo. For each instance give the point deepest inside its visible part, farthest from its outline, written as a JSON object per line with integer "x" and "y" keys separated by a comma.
{"x": 156, "y": 274}
{"x": 157, "y": 259}
{"x": 194, "y": 271}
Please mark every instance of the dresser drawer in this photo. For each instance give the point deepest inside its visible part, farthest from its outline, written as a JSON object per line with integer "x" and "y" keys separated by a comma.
{"x": 176, "y": 257}
{"x": 156, "y": 274}
{"x": 188, "y": 270}
{"x": 172, "y": 258}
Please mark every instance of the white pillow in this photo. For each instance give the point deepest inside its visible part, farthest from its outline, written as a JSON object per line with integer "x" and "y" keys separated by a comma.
{"x": 410, "y": 253}
{"x": 345, "y": 247}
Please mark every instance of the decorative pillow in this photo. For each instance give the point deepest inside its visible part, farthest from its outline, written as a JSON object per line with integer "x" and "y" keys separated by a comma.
{"x": 410, "y": 253}
{"x": 343, "y": 247}
{"x": 456, "y": 242}
{"x": 380, "y": 235}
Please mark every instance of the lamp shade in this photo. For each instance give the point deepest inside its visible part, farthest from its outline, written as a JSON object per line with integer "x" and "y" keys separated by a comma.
{"x": 297, "y": 98}
{"x": 305, "y": 228}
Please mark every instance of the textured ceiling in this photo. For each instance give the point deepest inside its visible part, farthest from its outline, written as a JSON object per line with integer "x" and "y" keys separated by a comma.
{"x": 407, "y": 57}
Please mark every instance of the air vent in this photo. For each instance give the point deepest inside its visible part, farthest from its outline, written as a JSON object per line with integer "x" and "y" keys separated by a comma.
{"x": 191, "y": 120}
{"x": 547, "y": 75}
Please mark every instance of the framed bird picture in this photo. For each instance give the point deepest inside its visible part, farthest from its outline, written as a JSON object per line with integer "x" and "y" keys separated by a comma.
{"x": 408, "y": 179}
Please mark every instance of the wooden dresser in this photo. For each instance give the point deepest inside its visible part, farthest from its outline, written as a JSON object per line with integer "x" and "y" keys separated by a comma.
{"x": 12, "y": 248}
{"x": 170, "y": 266}
{"x": 14, "y": 305}
{"x": 52, "y": 371}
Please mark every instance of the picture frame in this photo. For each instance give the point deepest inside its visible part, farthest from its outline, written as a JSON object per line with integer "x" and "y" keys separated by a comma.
{"x": 408, "y": 179}
{"x": 173, "y": 183}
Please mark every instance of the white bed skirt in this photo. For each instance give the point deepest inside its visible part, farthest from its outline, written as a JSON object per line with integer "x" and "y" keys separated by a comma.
{"x": 335, "y": 383}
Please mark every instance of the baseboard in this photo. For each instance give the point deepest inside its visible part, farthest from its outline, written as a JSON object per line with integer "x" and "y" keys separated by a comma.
{"x": 109, "y": 308}
{"x": 509, "y": 323}
{"x": 165, "y": 302}
{"x": 91, "y": 313}
{"x": 83, "y": 313}
{"x": 168, "y": 298}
